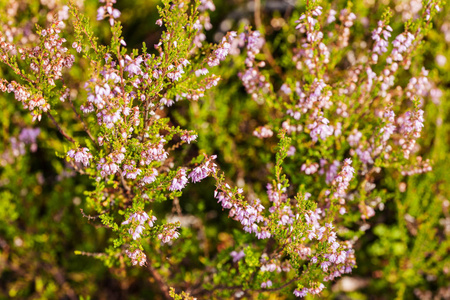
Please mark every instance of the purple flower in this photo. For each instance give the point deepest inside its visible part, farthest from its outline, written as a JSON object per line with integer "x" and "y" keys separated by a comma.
{"x": 237, "y": 256}
{"x": 179, "y": 181}
{"x": 201, "y": 172}
{"x": 81, "y": 156}
{"x": 302, "y": 293}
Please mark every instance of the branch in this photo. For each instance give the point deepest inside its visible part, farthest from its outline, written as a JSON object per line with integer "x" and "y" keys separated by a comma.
{"x": 265, "y": 48}
{"x": 89, "y": 217}
{"x": 159, "y": 280}
{"x": 83, "y": 122}
{"x": 60, "y": 129}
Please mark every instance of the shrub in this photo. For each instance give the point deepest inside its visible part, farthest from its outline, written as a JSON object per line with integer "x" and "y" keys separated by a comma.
{"x": 324, "y": 135}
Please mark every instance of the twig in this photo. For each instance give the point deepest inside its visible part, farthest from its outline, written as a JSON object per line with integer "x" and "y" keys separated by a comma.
{"x": 89, "y": 217}
{"x": 86, "y": 129}
{"x": 60, "y": 129}
{"x": 60, "y": 278}
{"x": 91, "y": 254}
{"x": 159, "y": 280}
{"x": 265, "y": 48}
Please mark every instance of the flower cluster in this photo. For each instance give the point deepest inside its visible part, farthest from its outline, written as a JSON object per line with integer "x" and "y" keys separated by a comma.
{"x": 346, "y": 17}
{"x": 263, "y": 132}
{"x": 418, "y": 86}
{"x": 410, "y": 127}
{"x": 381, "y": 36}
{"x": 389, "y": 126}
{"x": 138, "y": 220}
{"x": 252, "y": 78}
{"x": 420, "y": 167}
{"x": 402, "y": 44}
{"x": 137, "y": 257}
{"x": 179, "y": 181}
{"x": 81, "y": 155}
{"x": 222, "y": 51}
{"x": 249, "y": 215}
{"x": 305, "y": 291}
{"x": 313, "y": 42}
{"x": 310, "y": 168}
{"x": 29, "y": 136}
{"x": 168, "y": 235}
{"x": 107, "y": 11}
{"x": 342, "y": 180}
{"x": 34, "y": 103}
{"x": 204, "y": 170}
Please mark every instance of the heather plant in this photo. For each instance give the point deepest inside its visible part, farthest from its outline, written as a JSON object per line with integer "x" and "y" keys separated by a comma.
{"x": 277, "y": 160}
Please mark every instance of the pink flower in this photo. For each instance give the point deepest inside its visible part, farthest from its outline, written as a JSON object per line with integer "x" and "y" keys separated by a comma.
{"x": 137, "y": 257}
{"x": 266, "y": 284}
{"x": 179, "y": 181}
{"x": 301, "y": 293}
{"x": 201, "y": 172}
{"x": 81, "y": 156}
{"x": 237, "y": 256}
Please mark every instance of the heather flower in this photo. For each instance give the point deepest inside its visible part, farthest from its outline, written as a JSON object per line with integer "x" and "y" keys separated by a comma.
{"x": 153, "y": 152}
{"x": 76, "y": 46}
{"x": 301, "y": 293}
{"x": 137, "y": 257}
{"x": 331, "y": 172}
{"x": 138, "y": 220}
{"x": 206, "y": 5}
{"x": 130, "y": 171}
{"x": 389, "y": 126}
{"x": 263, "y": 132}
{"x": 441, "y": 60}
{"x": 402, "y": 44}
{"x": 253, "y": 82}
{"x": 381, "y": 36}
{"x": 179, "y": 181}
{"x": 108, "y": 11}
{"x": 201, "y": 72}
{"x": 168, "y": 235}
{"x": 354, "y": 138}
{"x": 137, "y": 142}
{"x": 254, "y": 45}
{"x": 366, "y": 211}
{"x": 291, "y": 151}
{"x": 285, "y": 89}
{"x": 347, "y": 18}
{"x": 331, "y": 16}
{"x": 421, "y": 166}
{"x": 249, "y": 215}
{"x": 342, "y": 181}
{"x": 320, "y": 129}
{"x": 34, "y": 103}
{"x": 274, "y": 194}
{"x": 365, "y": 156}
{"x": 188, "y": 138}
{"x": 418, "y": 86}
{"x": 133, "y": 66}
{"x": 81, "y": 156}
{"x": 410, "y": 128}
{"x": 237, "y": 256}
{"x": 222, "y": 50}
{"x": 151, "y": 177}
{"x": 29, "y": 136}
{"x": 204, "y": 170}
{"x": 310, "y": 169}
